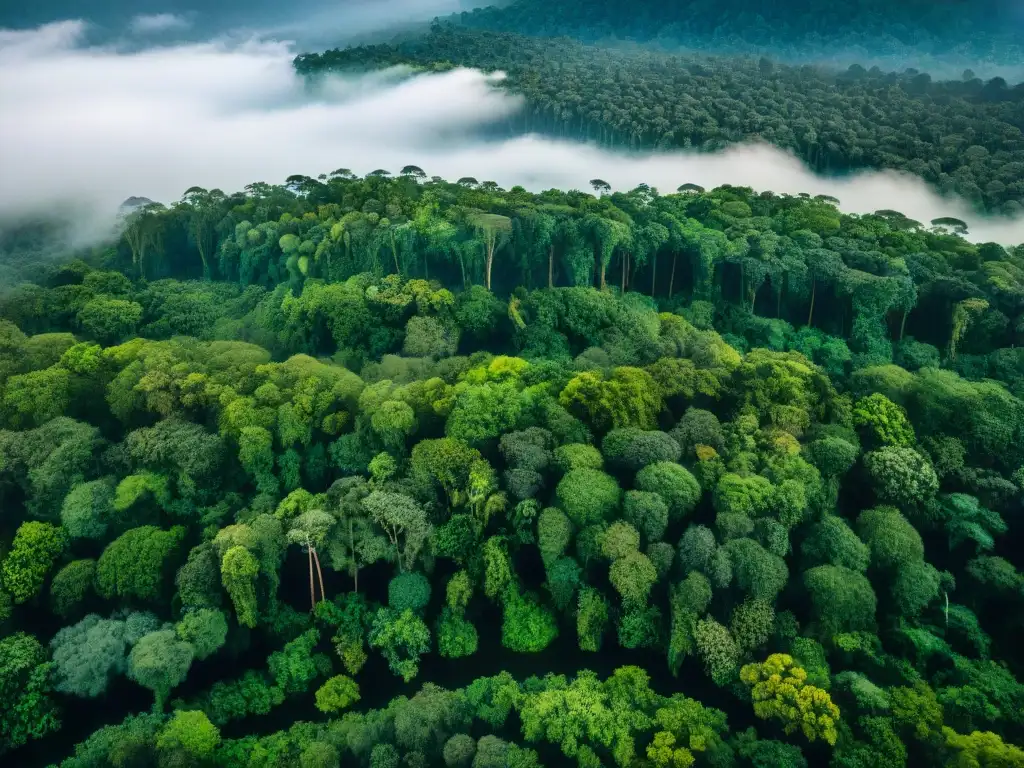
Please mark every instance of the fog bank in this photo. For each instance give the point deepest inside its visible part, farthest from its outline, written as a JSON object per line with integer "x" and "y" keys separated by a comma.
{"x": 84, "y": 127}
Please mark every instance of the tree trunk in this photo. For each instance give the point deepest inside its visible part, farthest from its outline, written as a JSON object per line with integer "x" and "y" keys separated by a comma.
{"x": 814, "y": 290}
{"x": 672, "y": 276}
{"x": 319, "y": 576}
{"x": 903, "y": 324}
{"x": 202, "y": 256}
{"x": 551, "y": 266}
{"x": 623, "y": 273}
{"x": 654, "y": 272}
{"x": 393, "y": 535}
{"x": 312, "y": 594}
{"x": 490, "y": 261}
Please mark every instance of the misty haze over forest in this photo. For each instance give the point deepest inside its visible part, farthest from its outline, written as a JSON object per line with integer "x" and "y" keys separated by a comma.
{"x": 83, "y": 126}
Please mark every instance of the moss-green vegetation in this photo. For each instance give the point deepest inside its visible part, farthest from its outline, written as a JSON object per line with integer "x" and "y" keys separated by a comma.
{"x": 322, "y": 460}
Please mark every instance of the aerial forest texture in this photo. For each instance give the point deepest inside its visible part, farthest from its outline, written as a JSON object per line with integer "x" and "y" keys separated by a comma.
{"x": 401, "y": 471}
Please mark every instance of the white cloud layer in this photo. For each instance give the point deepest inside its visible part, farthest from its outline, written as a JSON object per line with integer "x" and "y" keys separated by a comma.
{"x": 155, "y": 23}
{"x": 83, "y": 128}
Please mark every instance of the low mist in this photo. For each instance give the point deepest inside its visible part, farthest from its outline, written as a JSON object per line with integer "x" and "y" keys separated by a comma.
{"x": 84, "y": 127}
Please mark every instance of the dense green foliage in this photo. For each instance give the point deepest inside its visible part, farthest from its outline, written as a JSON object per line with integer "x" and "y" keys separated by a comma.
{"x": 293, "y": 483}
{"x": 979, "y": 30}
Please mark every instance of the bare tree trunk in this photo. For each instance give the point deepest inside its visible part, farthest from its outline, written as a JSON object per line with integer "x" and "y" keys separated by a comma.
{"x": 319, "y": 575}
{"x": 393, "y": 536}
{"x": 672, "y": 277}
{"x": 551, "y": 266}
{"x": 490, "y": 261}
{"x": 312, "y": 594}
{"x": 814, "y": 290}
{"x": 903, "y": 324}
{"x": 394, "y": 255}
{"x": 623, "y": 273}
{"x": 654, "y": 273}
{"x": 202, "y": 256}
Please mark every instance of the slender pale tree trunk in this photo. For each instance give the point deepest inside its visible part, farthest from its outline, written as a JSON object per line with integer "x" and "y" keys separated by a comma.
{"x": 393, "y": 536}
{"x": 490, "y": 261}
{"x": 312, "y": 593}
{"x": 319, "y": 576}
{"x": 551, "y": 266}
{"x": 202, "y": 256}
{"x": 672, "y": 276}
{"x": 394, "y": 254}
{"x": 814, "y": 290}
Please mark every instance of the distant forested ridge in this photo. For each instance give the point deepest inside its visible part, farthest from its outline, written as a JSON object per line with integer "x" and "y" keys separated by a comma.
{"x": 985, "y": 30}
{"x": 401, "y": 472}
{"x": 963, "y": 137}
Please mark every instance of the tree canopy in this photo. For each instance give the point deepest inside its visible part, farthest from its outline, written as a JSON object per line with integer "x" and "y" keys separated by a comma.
{"x": 313, "y": 494}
